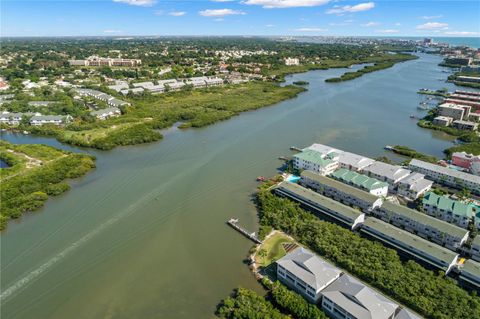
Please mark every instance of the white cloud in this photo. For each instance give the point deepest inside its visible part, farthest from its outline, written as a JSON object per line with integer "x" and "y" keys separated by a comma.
{"x": 432, "y": 26}
{"x": 387, "y": 31}
{"x": 270, "y": 4}
{"x": 270, "y": 25}
{"x": 111, "y": 31}
{"x": 462, "y": 33}
{"x": 177, "y": 13}
{"x": 313, "y": 29}
{"x": 340, "y": 24}
{"x": 350, "y": 9}
{"x": 370, "y": 24}
{"x": 218, "y": 19}
{"x": 432, "y": 17}
{"x": 398, "y": 24}
{"x": 141, "y": 3}
{"x": 219, "y": 12}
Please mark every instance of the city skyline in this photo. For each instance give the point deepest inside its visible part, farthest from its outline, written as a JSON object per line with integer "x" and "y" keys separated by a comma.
{"x": 248, "y": 17}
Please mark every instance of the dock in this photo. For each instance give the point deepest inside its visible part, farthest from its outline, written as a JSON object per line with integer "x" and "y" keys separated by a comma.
{"x": 233, "y": 222}
{"x": 294, "y": 148}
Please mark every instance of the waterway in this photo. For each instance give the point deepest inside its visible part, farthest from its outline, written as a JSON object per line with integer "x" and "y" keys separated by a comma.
{"x": 144, "y": 234}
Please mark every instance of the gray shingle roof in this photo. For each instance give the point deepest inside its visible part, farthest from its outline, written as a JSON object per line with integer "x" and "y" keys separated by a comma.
{"x": 392, "y": 172}
{"x": 358, "y": 299}
{"x": 310, "y": 268}
{"x": 444, "y": 170}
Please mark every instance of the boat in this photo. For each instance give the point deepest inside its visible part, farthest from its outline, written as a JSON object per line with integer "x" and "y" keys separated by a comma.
{"x": 412, "y": 116}
{"x": 388, "y": 147}
{"x": 260, "y": 179}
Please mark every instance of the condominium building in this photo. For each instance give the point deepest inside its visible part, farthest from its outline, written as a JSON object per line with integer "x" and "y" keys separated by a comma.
{"x": 347, "y": 160}
{"x": 316, "y": 162}
{"x": 368, "y": 184}
{"x": 465, "y": 125}
{"x": 446, "y": 176}
{"x": 340, "y": 192}
{"x": 11, "y": 118}
{"x": 306, "y": 273}
{"x": 320, "y": 205}
{"x": 348, "y": 298}
{"x": 421, "y": 224}
{"x": 467, "y": 161}
{"x": 384, "y": 172}
{"x": 292, "y": 61}
{"x": 475, "y": 249}
{"x": 413, "y": 186}
{"x": 442, "y": 121}
{"x": 451, "y": 211}
{"x": 98, "y": 61}
{"x": 470, "y": 274}
{"x": 454, "y": 111}
{"x": 103, "y": 114}
{"x": 39, "y": 120}
{"x": 427, "y": 252}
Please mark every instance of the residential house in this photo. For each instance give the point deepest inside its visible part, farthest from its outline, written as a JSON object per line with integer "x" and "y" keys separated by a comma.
{"x": 103, "y": 114}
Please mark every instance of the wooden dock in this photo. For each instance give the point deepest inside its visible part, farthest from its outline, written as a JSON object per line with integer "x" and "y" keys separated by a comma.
{"x": 294, "y": 148}
{"x": 233, "y": 222}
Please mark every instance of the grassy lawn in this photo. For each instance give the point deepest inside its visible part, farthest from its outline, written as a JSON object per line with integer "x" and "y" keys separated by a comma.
{"x": 272, "y": 249}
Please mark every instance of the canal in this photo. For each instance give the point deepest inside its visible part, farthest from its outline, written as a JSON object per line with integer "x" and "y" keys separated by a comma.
{"x": 144, "y": 235}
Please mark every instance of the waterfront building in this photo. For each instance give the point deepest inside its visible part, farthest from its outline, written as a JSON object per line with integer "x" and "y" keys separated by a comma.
{"x": 474, "y": 117}
{"x": 405, "y": 314}
{"x": 320, "y": 205}
{"x": 413, "y": 186}
{"x": 475, "y": 105}
{"x": 11, "y": 118}
{"x": 467, "y": 161}
{"x": 391, "y": 174}
{"x": 306, "y": 273}
{"x": 464, "y": 97}
{"x": 451, "y": 211}
{"x": 465, "y": 125}
{"x": 475, "y": 249}
{"x": 457, "y": 60}
{"x": 316, "y": 162}
{"x": 340, "y": 192}
{"x": 348, "y": 298}
{"x": 347, "y": 160}
{"x": 442, "y": 121}
{"x": 464, "y": 78}
{"x": 421, "y": 224}
{"x": 446, "y": 176}
{"x": 368, "y": 184}
{"x": 103, "y": 114}
{"x": 426, "y": 252}
{"x": 454, "y": 111}
{"x": 470, "y": 273}
{"x": 39, "y": 120}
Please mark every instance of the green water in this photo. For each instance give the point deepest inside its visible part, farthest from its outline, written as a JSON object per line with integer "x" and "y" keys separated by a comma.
{"x": 144, "y": 235}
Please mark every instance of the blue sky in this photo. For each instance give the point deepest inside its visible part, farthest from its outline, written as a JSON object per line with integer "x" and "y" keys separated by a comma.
{"x": 247, "y": 17}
